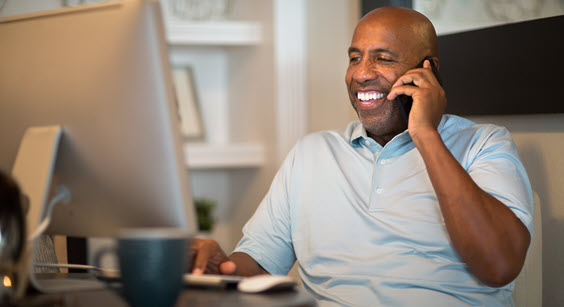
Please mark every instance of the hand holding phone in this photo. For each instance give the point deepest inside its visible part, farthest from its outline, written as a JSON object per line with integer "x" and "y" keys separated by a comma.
{"x": 405, "y": 102}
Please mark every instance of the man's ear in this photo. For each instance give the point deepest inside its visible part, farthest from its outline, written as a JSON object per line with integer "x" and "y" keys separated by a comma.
{"x": 435, "y": 61}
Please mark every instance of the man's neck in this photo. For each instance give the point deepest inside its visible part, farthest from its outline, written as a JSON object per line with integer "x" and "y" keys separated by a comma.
{"x": 383, "y": 139}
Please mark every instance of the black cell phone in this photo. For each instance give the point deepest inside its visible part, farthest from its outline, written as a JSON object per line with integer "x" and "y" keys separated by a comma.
{"x": 405, "y": 102}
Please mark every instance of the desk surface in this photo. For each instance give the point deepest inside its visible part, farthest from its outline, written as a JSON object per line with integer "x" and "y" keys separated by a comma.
{"x": 192, "y": 297}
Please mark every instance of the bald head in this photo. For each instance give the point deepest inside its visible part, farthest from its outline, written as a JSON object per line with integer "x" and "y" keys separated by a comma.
{"x": 410, "y": 27}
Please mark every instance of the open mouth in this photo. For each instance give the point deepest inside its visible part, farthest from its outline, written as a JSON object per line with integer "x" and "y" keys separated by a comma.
{"x": 369, "y": 98}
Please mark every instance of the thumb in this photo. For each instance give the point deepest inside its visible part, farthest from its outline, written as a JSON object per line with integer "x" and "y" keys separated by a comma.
{"x": 228, "y": 268}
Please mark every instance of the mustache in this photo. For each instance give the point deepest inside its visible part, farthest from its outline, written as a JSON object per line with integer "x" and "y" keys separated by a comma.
{"x": 373, "y": 85}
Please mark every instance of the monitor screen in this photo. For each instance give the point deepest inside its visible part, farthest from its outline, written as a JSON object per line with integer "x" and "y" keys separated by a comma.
{"x": 101, "y": 71}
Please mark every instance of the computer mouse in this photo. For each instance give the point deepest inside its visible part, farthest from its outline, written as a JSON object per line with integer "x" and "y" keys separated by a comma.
{"x": 262, "y": 283}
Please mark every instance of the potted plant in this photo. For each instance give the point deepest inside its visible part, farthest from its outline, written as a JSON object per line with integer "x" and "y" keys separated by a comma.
{"x": 204, "y": 210}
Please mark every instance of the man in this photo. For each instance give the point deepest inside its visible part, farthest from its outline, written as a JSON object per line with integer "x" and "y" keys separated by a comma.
{"x": 439, "y": 214}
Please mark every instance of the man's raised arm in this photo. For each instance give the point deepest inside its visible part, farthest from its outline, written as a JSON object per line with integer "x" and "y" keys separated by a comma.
{"x": 487, "y": 234}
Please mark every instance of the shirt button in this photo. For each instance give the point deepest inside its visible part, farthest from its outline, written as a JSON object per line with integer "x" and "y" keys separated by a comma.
{"x": 366, "y": 142}
{"x": 379, "y": 190}
{"x": 383, "y": 161}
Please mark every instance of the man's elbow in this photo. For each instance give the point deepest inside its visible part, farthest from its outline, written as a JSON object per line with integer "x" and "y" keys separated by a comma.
{"x": 500, "y": 267}
{"x": 501, "y": 274}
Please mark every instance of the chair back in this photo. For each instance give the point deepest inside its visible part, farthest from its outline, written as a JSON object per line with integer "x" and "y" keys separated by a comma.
{"x": 528, "y": 285}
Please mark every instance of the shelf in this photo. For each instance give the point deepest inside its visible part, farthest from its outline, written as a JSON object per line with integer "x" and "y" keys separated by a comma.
{"x": 223, "y": 156}
{"x": 214, "y": 33}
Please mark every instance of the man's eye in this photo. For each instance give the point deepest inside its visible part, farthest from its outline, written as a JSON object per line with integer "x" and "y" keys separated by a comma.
{"x": 385, "y": 60}
{"x": 354, "y": 59}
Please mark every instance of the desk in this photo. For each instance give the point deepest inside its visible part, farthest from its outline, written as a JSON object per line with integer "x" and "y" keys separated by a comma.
{"x": 192, "y": 297}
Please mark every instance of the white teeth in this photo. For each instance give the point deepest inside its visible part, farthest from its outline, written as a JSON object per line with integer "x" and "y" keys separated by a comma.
{"x": 369, "y": 95}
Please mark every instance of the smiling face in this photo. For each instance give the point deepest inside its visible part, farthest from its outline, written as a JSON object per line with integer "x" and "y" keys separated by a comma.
{"x": 386, "y": 43}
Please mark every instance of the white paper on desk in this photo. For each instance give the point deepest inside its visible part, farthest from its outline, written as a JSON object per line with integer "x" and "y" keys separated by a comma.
{"x": 190, "y": 119}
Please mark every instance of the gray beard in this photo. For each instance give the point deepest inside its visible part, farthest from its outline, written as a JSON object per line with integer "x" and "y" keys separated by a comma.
{"x": 385, "y": 123}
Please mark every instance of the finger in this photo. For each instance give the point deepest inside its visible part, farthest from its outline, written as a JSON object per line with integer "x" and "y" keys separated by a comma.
{"x": 201, "y": 261}
{"x": 191, "y": 252}
{"x": 419, "y": 76}
{"x": 213, "y": 264}
{"x": 408, "y": 90}
{"x": 430, "y": 76}
{"x": 408, "y": 78}
{"x": 227, "y": 268}
{"x": 195, "y": 244}
{"x": 416, "y": 76}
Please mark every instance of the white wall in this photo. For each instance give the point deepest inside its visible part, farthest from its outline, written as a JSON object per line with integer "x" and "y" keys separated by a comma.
{"x": 330, "y": 26}
{"x": 12, "y": 7}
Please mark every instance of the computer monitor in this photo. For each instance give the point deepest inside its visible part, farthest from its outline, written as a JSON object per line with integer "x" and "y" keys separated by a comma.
{"x": 101, "y": 72}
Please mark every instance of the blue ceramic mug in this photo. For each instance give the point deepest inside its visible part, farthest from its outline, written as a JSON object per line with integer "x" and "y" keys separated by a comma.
{"x": 152, "y": 262}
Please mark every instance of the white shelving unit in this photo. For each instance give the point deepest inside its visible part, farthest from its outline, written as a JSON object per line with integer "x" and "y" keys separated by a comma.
{"x": 214, "y": 156}
{"x": 200, "y": 45}
{"x": 221, "y": 33}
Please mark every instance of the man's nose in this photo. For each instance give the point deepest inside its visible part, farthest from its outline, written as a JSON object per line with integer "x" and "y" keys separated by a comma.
{"x": 365, "y": 72}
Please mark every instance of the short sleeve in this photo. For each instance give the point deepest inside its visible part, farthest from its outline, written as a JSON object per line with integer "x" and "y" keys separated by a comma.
{"x": 267, "y": 235}
{"x": 498, "y": 170}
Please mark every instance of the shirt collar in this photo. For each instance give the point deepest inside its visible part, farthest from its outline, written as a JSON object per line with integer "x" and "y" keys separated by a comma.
{"x": 359, "y": 133}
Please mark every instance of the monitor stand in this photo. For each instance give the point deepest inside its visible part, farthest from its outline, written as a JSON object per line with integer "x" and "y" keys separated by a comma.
{"x": 33, "y": 170}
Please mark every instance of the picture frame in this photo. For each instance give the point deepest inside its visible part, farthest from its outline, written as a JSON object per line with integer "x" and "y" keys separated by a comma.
{"x": 368, "y": 5}
{"x": 191, "y": 126}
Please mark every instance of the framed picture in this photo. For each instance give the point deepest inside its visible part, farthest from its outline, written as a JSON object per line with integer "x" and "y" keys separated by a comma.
{"x": 368, "y": 5}
{"x": 188, "y": 106}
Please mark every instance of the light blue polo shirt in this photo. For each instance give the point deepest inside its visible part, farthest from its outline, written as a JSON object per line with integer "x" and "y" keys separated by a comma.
{"x": 364, "y": 223}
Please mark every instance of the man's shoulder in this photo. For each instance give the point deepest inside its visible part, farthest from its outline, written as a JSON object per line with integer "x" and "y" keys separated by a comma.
{"x": 465, "y": 137}
{"x": 455, "y": 125}
{"x": 330, "y": 136}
